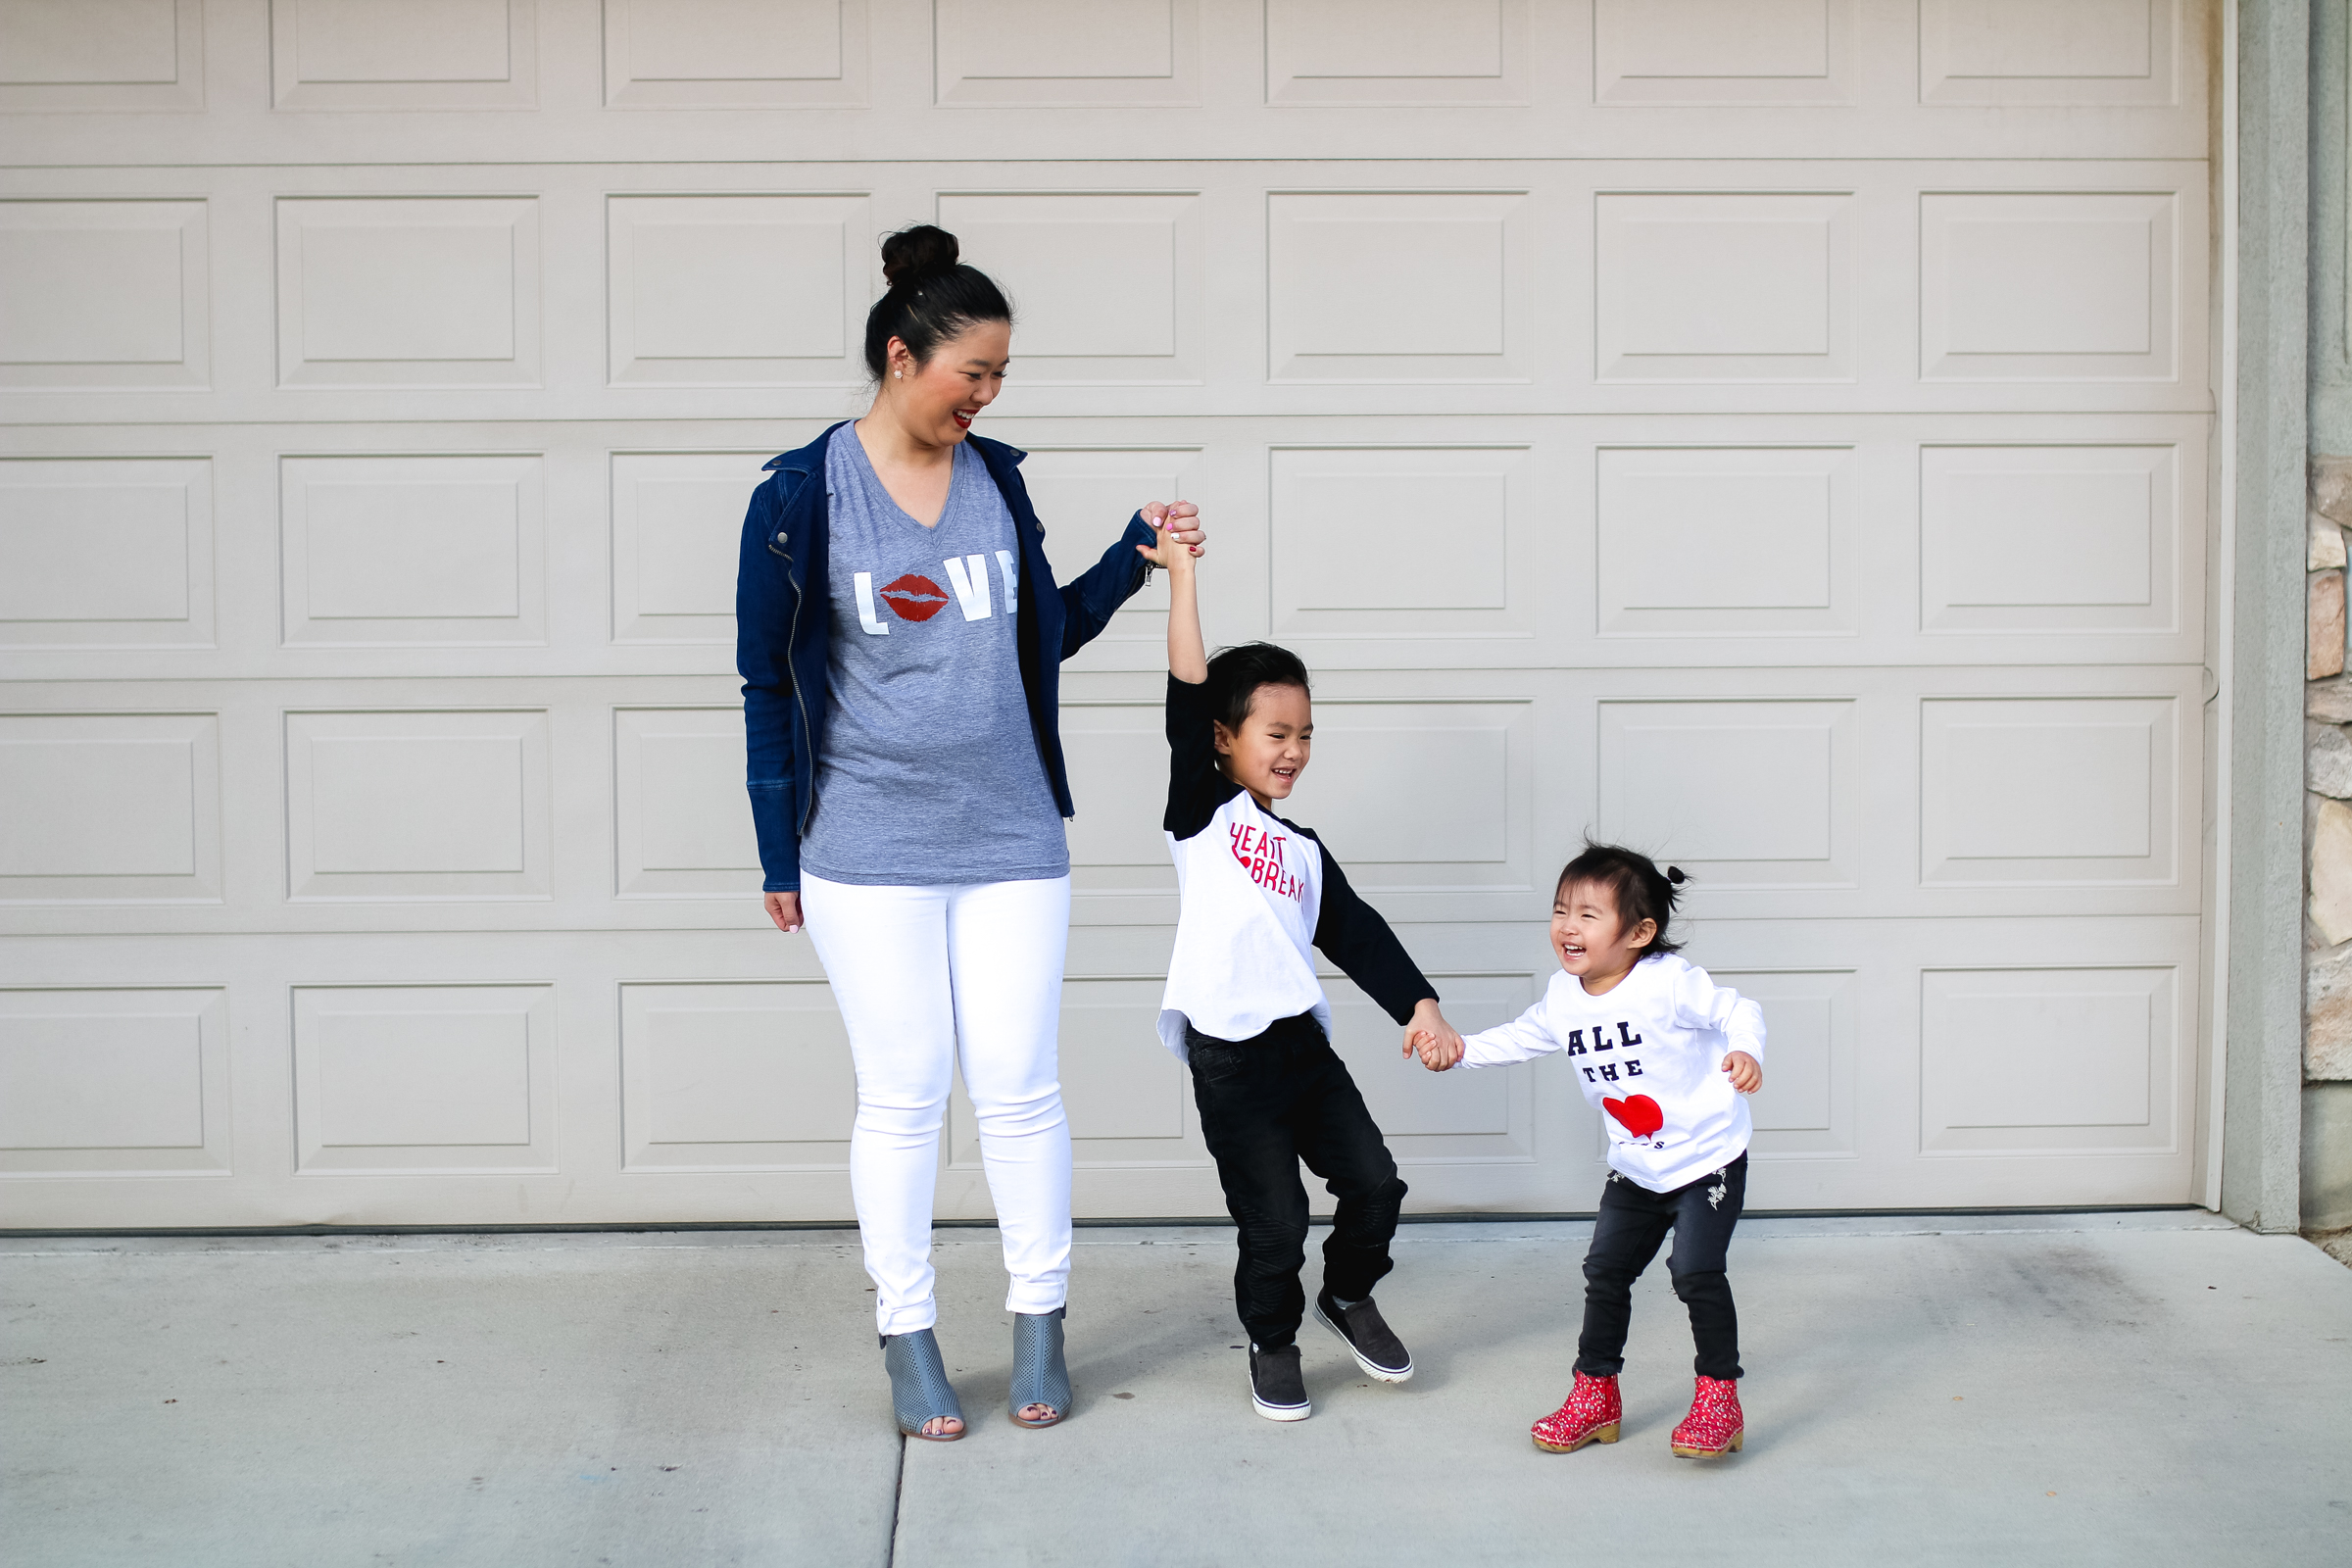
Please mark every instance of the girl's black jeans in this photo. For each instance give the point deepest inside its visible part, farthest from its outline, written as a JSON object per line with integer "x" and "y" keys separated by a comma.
{"x": 1626, "y": 1235}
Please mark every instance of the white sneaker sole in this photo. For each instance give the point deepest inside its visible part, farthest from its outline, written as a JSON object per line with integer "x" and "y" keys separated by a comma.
{"x": 1380, "y": 1373}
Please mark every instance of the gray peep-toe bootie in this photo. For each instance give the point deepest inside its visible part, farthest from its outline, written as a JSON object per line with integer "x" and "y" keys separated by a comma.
{"x": 1039, "y": 1375}
{"x": 919, "y": 1390}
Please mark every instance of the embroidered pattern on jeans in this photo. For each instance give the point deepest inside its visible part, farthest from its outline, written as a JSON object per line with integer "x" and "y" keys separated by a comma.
{"x": 1716, "y": 1193}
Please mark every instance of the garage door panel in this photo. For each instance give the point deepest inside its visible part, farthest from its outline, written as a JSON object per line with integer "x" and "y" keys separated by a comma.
{"x": 1417, "y": 542}
{"x": 110, "y": 808}
{"x": 395, "y": 550}
{"x": 742, "y": 1077}
{"x": 1423, "y": 794}
{"x": 736, "y": 290}
{"x": 1808, "y": 1103}
{"x": 128, "y": 56}
{"x": 1725, "y": 286}
{"x": 1394, "y": 53}
{"x": 2110, "y": 52}
{"x": 438, "y": 54}
{"x": 425, "y": 1079}
{"x": 1752, "y": 794}
{"x": 2049, "y": 1061}
{"x": 114, "y": 1080}
{"x": 450, "y": 805}
{"x": 677, "y": 528}
{"x": 1038, "y": 53}
{"x": 697, "y": 54}
{"x": 104, "y": 294}
{"x": 1110, "y": 284}
{"x": 680, "y": 829}
{"x": 2050, "y": 790}
{"x": 1693, "y": 52}
{"x": 2048, "y": 285}
{"x": 108, "y": 552}
{"x": 1721, "y": 542}
{"x": 2042, "y": 538}
{"x": 1340, "y": 263}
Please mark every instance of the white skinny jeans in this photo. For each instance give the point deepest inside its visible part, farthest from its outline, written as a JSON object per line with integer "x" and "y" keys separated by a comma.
{"x": 929, "y": 979}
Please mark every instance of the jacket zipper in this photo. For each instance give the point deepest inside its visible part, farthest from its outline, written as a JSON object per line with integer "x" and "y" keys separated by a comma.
{"x": 792, "y": 638}
{"x": 800, "y": 703}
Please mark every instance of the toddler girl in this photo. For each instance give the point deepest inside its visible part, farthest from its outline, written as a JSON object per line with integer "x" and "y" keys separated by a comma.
{"x": 1666, "y": 1055}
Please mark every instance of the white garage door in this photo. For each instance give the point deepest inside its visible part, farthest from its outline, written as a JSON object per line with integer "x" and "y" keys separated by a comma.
{"x": 1770, "y": 431}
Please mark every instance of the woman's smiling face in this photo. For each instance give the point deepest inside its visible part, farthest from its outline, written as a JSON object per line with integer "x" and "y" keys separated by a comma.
{"x": 934, "y": 402}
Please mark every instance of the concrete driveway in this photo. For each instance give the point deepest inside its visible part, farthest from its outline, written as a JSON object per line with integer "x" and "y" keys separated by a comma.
{"x": 2129, "y": 1388}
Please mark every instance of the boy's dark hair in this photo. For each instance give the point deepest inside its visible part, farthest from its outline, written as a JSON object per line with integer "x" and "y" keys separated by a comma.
{"x": 931, "y": 297}
{"x": 1640, "y": 890}
{"x": 1235, "y": 673}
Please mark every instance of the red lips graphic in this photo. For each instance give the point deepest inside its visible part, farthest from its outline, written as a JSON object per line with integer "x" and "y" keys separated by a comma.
{"x": 914, "y": 598}
{"x": 1639, "y": 1115}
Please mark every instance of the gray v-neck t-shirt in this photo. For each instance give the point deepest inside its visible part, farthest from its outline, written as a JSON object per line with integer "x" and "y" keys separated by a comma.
{"x": 929, "y": 770}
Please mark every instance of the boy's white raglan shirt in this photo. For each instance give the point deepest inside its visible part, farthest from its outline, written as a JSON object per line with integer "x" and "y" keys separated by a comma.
{"x": 1649, "y": 1055}
{"x": 1260, "y": 896}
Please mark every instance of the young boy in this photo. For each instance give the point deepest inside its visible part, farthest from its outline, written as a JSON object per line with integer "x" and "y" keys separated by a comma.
{"x": 1245, "y": 1010}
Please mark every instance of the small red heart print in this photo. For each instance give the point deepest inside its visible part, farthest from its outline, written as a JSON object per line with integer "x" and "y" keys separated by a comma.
{"x": 1638, "y": 1114}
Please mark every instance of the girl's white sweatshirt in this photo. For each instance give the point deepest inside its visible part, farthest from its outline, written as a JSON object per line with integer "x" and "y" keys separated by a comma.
{"x": 1649, "y": 1055}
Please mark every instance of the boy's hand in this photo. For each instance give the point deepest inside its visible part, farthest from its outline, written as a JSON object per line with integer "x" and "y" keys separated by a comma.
{"x": 1438, "y": 1043}
{"x": 1747, "y": 1073}
{"x": 1178, "y": 531}
{"x": 1424, "y": 1043}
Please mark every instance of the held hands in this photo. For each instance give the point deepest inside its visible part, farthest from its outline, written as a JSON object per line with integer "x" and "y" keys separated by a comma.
{"x": 785, "y": 909}
{"x": 1438, "y": 1042}
{"x": 1747, "y": 1073}
{"x": 1176, "y": 525}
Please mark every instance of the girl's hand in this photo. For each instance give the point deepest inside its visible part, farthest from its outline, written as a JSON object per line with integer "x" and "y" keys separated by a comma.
{"x": 1747, "y": 1073}
{"x": 1438, "y": 1043}
{"x": 1175, "y": 525}
{"x": 785, "y": 909}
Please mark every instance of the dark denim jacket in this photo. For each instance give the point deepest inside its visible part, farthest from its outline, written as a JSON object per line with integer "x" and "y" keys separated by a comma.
{"x": 783, "y": 628}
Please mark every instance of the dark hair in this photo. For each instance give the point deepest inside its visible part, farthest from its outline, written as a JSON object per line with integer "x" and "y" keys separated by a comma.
{"x": 931, "y": 297}
{"x": 1236, "y": 674}
{"x": 1640, "y": 890}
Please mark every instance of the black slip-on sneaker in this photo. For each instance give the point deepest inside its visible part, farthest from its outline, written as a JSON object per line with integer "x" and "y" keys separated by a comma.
{"x": 1276, "y": 1385}
{"x": 1367, "y": 1336}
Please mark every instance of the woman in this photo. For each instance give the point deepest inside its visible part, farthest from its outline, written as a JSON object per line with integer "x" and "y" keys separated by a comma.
{"x": 900, "y": 636}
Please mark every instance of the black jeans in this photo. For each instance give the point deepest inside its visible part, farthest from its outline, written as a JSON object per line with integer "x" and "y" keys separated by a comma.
{"x": 1626, "y": 1234}
{"x": 1266, "y": 1104}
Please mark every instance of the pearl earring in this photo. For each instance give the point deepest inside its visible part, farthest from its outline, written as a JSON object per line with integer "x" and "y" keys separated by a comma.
{"x": 898, "y": 375}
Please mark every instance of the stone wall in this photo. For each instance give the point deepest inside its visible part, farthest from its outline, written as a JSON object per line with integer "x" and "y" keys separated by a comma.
{"x": 2327, "y": 842}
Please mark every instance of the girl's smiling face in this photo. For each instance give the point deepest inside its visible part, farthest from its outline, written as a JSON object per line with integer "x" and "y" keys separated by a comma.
{"x": 1592, "y": 940}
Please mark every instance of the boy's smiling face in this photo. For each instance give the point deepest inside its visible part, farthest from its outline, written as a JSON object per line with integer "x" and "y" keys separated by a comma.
{"x": 1591, "y": 939}
{"x": 1270, "y": 752}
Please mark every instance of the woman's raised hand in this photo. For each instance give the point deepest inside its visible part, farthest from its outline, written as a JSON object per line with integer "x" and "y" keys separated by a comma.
{"x": 1180, "y": 523}
{"x": 785, "y": 909}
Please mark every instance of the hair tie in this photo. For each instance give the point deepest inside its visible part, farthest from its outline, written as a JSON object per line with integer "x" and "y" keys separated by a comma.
{"x": 1674, "y": 874}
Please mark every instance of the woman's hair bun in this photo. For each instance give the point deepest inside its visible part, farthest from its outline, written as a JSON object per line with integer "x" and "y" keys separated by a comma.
{"x": 1674, "y": 874}
{"x": 917, "y": 253}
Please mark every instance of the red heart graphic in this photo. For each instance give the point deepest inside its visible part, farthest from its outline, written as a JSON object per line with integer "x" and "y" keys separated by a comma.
{"x": 1638, "y": 1114}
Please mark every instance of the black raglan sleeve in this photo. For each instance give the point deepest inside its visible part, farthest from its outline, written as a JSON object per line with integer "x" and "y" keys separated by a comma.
{"x": 1351, "y": 934}
{"x": 1196, "y": 789}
